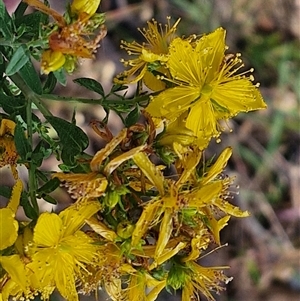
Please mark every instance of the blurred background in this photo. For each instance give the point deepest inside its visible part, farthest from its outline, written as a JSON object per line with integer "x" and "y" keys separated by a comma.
{"x": 263, "y": 250}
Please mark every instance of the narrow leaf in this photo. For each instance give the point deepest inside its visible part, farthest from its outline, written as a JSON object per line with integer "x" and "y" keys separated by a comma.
{"x": 50, "y": 83}
{"x": 21, "y": 142}
{"x": 5, "y": 22}
{"x": 90, "y": 84}
{"x": 132, "y": 117}
{"x": 18, "y": 60}
{"x": 50, "y": 186}
{"x": 31, "y": 77}
{"x": 71, "y": 136}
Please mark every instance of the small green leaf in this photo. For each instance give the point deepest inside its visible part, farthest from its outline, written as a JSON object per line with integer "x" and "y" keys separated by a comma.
{"x": 5, "y": 191}
{"x": 18, "y": 60}
{"x": 5, "y": 22}
{"x": 50, "y": 199}
{"x": 21, "y": 142}
{"x": 68, "y": 156}
{"x": 32, "y": 22}
{"x": 61, "y": 76}
{"x": 70, "y": 135}
{"x": 41, "y": 175}
{"x": 50, "y": 186}
{"x": 118, "y": 87}
{"x": 28, "y": 209}
{"x": 31, "y": 77}
{"x": 90, "y": 84}
{"x": 19, "y": 12}
{"x": 11, "y": 104}
{"x": 50, "y": 83}
{"x": 40, "y": 152}
{"x": 132, "y": 117}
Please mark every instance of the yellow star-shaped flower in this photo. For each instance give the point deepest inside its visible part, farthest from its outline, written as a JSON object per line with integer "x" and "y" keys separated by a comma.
{"x": 206, "y": 86}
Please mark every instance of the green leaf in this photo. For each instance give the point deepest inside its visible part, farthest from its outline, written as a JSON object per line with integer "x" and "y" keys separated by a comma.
{"x": 28, "y": 209}
{"x": 32, "y": 23}
{"x": 90, "y": 84}
{"x": 68, "y": 156}
{"x": 15, "y": 106}
{"x": 50, "y": 83}
{"x": 11, "y": 105}
{"x": 132, "y": 117}
{"x": 5, "y": 22}
{"x": 118, "y": 87}
{"x": 41, "y": 175}
{"x": 21, "y": 142}
{"x": 19, "y": 12}
{"x": 5, "y": 191}
{"x": 70, "y": 135}
{"x": 50, "y": 186}
{"x": 40, "y": 152}
{"x": 50, "y": 199}
{"x": 31, "y": 77}
{"x": 61, "y": 76}
{"x": 18, "y": 60}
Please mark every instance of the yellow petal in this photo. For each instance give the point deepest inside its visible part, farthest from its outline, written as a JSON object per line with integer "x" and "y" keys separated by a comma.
{"x": 15, "y": 268}
{"x": 116, "y": 162}
{"x": 52, "y": 61}
{"x": 85, "y": 6}
{"x": 8, "y": 228}
{"x": 230, "y": 209}
{"x": 7, "y": 127}
{"x": 150, "y": 215}
{"x": 48, "y": 230}
{"x": 167, "y": 255}
{"x": 14, "y": 200}
{"x": 153, "y": 174}
{"x": 236, "y": 95}
{"x": 218, "y": 166}
{"x": 189, "y": 163}
{"x": 101, "y": 229}
{"x": 210, "y": 49}
{"x": 107, "y": 150}
{"x": 205, "y": 195}
{"x": 73, "y": 218}
{"x": 158, "y": 287}
{"x": 165, "y": 231}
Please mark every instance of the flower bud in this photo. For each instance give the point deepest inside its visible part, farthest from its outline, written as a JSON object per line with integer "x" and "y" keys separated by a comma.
{"x": 52, "y": 61}
{"x": 85, "y": 6}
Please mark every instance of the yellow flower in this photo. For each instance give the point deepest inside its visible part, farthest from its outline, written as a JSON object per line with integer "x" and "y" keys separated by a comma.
{"x": 8, "y": 225}
{"x": 8, "y": 152}
{"x": 201, "y": 279}
{"x": 207, "y": 86}
{"x": 60, "y": 250}
{"x": 150, "y": 55}
{"x": 85, "y": 6}
{"x": 189, "y": 197}
{"x": 143, "y": 287}
{"x": 52, "y": 61}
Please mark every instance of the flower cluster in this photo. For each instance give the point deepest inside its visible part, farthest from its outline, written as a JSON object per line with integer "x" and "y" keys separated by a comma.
{"x": 72, "y": 34}
{"x": 150, "y": 229}
{"x": 148, "y": 205}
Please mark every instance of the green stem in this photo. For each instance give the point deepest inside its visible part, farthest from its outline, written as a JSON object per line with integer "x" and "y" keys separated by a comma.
{"x": 29, "y": 94}
{"x": 101, "y": 101}
{"x": 32, "y": 168}
{"x": 31, "y": 97}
